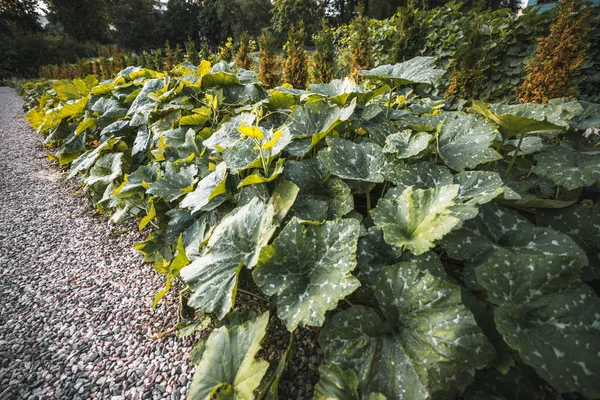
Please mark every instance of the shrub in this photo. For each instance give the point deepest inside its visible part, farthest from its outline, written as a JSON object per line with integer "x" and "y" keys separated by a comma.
{"x": 227, "y": 51}
{"x": 359, "y": 45}
{"x": 268, "y": 64}
{"x": 467, "y": 72}
{"x": 296, "y": 65}
{"x": 192, "y": 51}
{"x": 242, "y": 57}
{"x": 323, "y": 61}
{"x": 552, "y": 71}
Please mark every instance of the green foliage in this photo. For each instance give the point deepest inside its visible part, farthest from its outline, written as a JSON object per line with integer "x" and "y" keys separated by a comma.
{"x": 507, "y": 41}
{"x": 295, "y": 69}
{"x": 192, "y": 51}
{"x": 226, "y": 52}
{"x": 23, "y": 54}
{"x": 74, "y": 18}
{"x": 288, "y": 13}
{"x": 409, "y": 39}
{"x": 323, "y": 66}
{"x": 180, "y": 20}
{"x": 19, "y": 15}
{"x": 133, "y": 21}
{"x": 441, "y": 250}
{"x": 211, "y": 27}
{"x": 467, "y": 75}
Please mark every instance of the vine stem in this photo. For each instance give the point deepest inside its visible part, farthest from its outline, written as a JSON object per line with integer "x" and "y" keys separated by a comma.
{"x": 369, "y": 200}
{"x": 512, "y": 162}
{"x": 256, "y": 295}
{"x": 264, "y": 394}
{"x": 389, "y": 106}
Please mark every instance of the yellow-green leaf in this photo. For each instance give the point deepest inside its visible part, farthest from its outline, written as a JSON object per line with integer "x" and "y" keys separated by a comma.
{"x": 251, "y": 131}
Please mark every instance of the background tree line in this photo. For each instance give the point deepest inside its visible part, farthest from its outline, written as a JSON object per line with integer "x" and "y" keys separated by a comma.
{"x": 75, "y": 29}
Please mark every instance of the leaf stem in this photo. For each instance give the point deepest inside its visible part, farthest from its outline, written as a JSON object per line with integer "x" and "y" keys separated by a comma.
{"x": 262, "y": 156}
{"x": 369, "y": 200}
{"x": 384, "y": 189}
{"x": 512, "y": 162}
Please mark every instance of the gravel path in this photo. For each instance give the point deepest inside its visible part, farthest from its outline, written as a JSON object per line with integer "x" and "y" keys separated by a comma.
{"x": 75, "y": 316}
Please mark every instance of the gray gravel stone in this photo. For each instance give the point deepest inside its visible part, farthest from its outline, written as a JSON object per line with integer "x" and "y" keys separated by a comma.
{"x": 75, "y": 308}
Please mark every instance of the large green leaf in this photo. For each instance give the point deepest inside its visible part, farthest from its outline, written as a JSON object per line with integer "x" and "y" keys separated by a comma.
{"x": 174, "y": 182}
{"x": 417, "y": 218}
{"x": 335, "y": 384}
{"x": 511, "y": 125}
{"x": 72, "y": 109}
{"x": 422, "y": 175}
{"x": 211, "y": 187}
{"x": 236, "y": 242}
{"x": 478, "y": 187}
{"x": 582, "y": 224}
{"x": 428, "y": 343}
{"x": 339, "y": 91}
{"x": 321, "y": 196}
{"x": 245, "y": 154}
{"x": 495, "y": 228}
{"x": 228, "y": 134}
{"x": 415, "y": 70}
{"x": 313, "y": 121}
{"x": 308, "y": 268}
{"x": 228, "y": 368}
{"x": 137, "y": 181}
{"x": 74, "y": 89}
{"x": 548, "y": 315}
{"x": 556, "y": 112}
{"x": 406, "y": 144}
{"x": 144, "y": 105}
{"x": 567, "y": 167}
{"x": 106, "y": 169}
{"x": 349, "y": 160}
{"x": 372, "y": 255}
{"x": 465, "y": 142}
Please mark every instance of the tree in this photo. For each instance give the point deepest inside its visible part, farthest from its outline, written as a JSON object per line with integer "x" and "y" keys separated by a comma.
{"x": 381, "y": 9}
{"x": 552, "y": 71}
{"x": 75, "y": 18}
{"x": 251, "y": 16}
{"x": 289, "y": 12}
{"x": 181, "y": 20}
{"x": 137, "y": 24}
{"x": 295, "y": 70}
{"x": 18, "y": 14}
{"x": 211, "y": 28}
